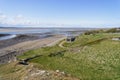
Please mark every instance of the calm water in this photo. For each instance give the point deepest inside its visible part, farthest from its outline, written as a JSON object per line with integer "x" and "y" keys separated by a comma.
{"x": 7, "y": 37}
{"x": 14, "y": 32}
{"x": 24, "y": 31}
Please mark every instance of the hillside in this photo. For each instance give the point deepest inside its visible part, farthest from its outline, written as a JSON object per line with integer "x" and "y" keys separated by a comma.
{"x": 89, "y": 57}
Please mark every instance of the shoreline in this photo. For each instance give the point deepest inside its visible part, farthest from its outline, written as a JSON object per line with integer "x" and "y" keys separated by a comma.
{"x": 21, "y": 38}
{"x": 10, "y": 52}
{"x": 3, "y": 35}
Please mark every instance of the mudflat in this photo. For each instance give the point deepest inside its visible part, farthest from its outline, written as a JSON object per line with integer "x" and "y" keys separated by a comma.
{"x": 28, "y": 43}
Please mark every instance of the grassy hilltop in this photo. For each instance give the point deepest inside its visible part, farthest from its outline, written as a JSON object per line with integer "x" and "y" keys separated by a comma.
{"x": 89, "y": 57}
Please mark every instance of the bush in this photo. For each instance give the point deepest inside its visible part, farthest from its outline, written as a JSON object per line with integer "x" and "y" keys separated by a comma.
{"x": 93, "y": 32}
{"x": 113, "y": 30}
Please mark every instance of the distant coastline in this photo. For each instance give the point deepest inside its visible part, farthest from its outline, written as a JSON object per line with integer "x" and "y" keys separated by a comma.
{"x": 28, "y": 39}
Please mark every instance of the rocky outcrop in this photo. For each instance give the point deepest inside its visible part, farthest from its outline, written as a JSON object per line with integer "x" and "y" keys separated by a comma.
{"x": 11, "y": 56}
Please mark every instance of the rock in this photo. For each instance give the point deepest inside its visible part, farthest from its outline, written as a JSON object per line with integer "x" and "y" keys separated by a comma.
{"x": 57, "y": 71}
{"x": 63, "y": 73}
{"x": 41, "y": 72}
{"x": 48, "y": 74}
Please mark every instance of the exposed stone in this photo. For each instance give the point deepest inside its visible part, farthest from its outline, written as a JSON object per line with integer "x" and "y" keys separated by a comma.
{"x": 57, "y": 71}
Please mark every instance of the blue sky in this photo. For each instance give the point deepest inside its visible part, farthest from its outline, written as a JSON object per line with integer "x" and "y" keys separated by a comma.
{"x": 60, "y": 13}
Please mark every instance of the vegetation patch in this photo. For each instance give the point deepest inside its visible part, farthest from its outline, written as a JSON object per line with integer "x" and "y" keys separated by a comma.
{"x": 90, "y": 57}
{"x": 98, "y": 60}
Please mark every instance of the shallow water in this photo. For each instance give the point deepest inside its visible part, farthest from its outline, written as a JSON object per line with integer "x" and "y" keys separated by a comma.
{"x": 23, "y": 31}
{"x": 13, "y": 32}
{"x": 7, "y": 37}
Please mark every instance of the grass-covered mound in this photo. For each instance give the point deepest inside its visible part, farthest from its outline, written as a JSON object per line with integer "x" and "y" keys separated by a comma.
{"x": 90, "y": 57}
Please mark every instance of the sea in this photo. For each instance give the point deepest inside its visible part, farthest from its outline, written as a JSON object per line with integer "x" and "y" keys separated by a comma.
{"x": 15, "y": 31}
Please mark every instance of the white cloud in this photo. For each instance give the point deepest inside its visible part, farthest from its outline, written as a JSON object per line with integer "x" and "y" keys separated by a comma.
{"x": 2, "y": 16}
{"x": 23, "y": 21}
{"x": 19, "y": 17}
{"x": 16, "y": 20}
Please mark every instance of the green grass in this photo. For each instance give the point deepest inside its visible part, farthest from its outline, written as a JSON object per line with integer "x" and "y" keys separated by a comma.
{"x": 84, "y": 39}
{"x": 10, "y": 72}
{"x": 98, "y": 61}
{"x": 42, "y": 51}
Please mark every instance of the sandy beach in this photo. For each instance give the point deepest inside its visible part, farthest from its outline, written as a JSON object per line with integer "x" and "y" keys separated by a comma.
{"x": 29, "y": 39}
{"x": 25, "y": 45}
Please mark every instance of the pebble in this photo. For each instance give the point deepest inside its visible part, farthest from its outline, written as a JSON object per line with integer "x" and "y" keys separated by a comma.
{"x": 57, "y": 71}
{"x": 63, "y": 73}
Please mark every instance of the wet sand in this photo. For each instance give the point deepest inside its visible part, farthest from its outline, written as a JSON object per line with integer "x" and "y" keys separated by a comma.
{"x": 17, "y": 39}
{"x": 28, "y": 44}
{"x": 10, "y": 48}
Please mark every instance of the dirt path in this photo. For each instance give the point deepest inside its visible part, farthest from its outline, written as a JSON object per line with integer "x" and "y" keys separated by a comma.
{"x": 61, "y": 44}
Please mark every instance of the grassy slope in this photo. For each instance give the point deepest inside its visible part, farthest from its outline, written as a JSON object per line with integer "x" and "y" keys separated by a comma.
{"x": 98, "y": 61}
{"x": 12, "y": 71}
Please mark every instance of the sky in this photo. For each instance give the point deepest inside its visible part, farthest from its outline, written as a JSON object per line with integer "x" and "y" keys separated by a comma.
{"x": 60, "y": 13}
